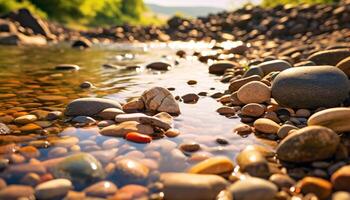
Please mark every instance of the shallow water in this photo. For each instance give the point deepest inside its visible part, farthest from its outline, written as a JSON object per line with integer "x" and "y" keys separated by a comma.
{"x": 28, "y": 73}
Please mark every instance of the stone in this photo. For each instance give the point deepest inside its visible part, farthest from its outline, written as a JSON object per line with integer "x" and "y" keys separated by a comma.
{"x": 254, "y": 92}
{"x": 30, "y": 127}
{"x": 120, "y": 130}
{"x": 23, "y": 169}
{"x": 133, "y": 106}
{"x": 189, "y": 147}
{"x": 70, "y": 67}
{"x": 219, "y": 68}
{"x": 253, "y": 110}
{"x": 341, "y": 195}
{"x": 192, "y": 186}
{"x": 82, "y": 43}
{"x": 101, "y": 189}
{"x": 15, "y": 192}
{"x": 320, "y": 187}
{"x": 236, "y": 84}
{"x": 138, "y": 137}
{"x": 283, "y": 181}
{"x": 190, "y": 98}
{"x": 130, "y": 192}
{"x": 253, "y": 71}
{"x": 90, "y": 106}
{"x": 305, "y": 113}
{"x": 268, "y": 67}
{"x": 161, "y": 66}
{"x": 53, "y": 189}
{"x": 310, "y": 87}
{"x": 340, "y": 179}
{"x": 312, "y": 143}
{"x": 284, "y": 130}
{"x": 225, "y": 110}
{"x": 158, "y": 99}
{"x": 216, "y": 165}
{"x": 172, "y": 133}
{"x": 21, "y": 39}
{"x": 143, "y": 119}
{"x": 81, "y": 169}
{"x": 29, "y": 152}
{"x": 86, "y": 84}
{"x": 4, "y": 130}
{"x": 344, "y": 65}
{"x": 253, "y": 189}
{"x": 54, "y": 115}
{"x": 253, "y": 163}
{"x": 26, "y": 119}
{"x": 337, "y": 119}
{"x": 31, "y": 179}
{"x": 329, "y": 57}
{"x": 267, "y": 126}
{"x": 243, "y": 129}
{"x": 129, "y": 171}
{"x": 110, "y": 113}
{"x": 83, "y": 120}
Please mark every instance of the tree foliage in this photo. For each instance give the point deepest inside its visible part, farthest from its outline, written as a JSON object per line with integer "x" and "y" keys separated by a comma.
{"x": 271, "y": 3}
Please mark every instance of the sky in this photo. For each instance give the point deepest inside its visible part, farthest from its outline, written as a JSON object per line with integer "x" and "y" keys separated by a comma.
{"x": 214, "y": 3}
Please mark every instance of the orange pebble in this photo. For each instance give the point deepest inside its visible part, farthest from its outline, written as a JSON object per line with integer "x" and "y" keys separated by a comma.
{"x": 138, "y": 137}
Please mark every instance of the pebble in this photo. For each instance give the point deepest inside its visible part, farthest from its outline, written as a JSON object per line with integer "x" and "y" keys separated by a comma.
{"x": 267, "y": 126}
{"x": 329, "y": 57}
{"x": 101, "y": 189}
{"x": 86, "y": 84}
{"x": 320, "y": 187}
{"x": 29, "y": 152}
{"x": 110, "y": 113}
{"x": 54, "y": 115}
{"x": 84, "y": 120}
{"x": 31, "y": 179}
{"x": 284, "y": 130}
{"x": 225, "y": 110}
{"x": 310, "y": 87}
{"x": 120, "y": 130}
{"x": 340, "y": 179}
{"x": 67, "y": 67}
{"x": 133, "y": 106}
{"x": 189, "y": 147}
{"x": 4, "y": 130}
{"x": 243, "y": 129}
{"x": 253, "y": 110}
{"x": 144, "y": 119}
{"x": 216, "y": 165}
{"x": 190, "y": 98}
{"x": 282, "y": 181}
{"x": 254, "y": 92}
{"x": 313, "y": 143}
{"x": 267, "y": 67}
{"x": 192, "y": 82}
{"x": 16, "y": 192}
{"x": 131, "y": 192}
{"x": 253, "y": 189}
{"x": 219, "y": 68}
{"x": 89, "y": 106}
{"x": 305, "y": 113}
{"x": 172, "y": 133}
{"x": 162, "y": 66}
{"x": 237, "y": 84}
{"x": 57, "y": 152}
{"x": 253, "y": 163}
{"x": 344, "y": 65}
{"x": 26, "y": 119}
{"x": 337, "y": 119}
{"x": 82, "y": 43}
{"x": 53, "y": 189}
{"x": 138, "y": 137}
{"x": 341, "y": 195}
{"x": 30, "y": 127}
{"x": 129, "y": 171}
{"x": 158, "y": 99}
{"x": 192, "y": 186}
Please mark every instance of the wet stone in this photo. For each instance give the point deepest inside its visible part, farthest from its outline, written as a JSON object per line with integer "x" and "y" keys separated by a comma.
{"x": 254, "y": 92}
{"x": 162, "y": 66}
{"x": 128, "y": 171}
{"x": 320, "y": 187}
{"x": 189, "y": 147}
{"x": 67, "y": 67}
{"x": 120, "y": 130}
{"x": 219, "y": 68}
{"x": 337, "y": 119}
{"x": 284, "y": 130}
{"x": 101, "y": 189}
{"x": 266, "y": 126}
{"x": 143, "y": 119}
{"x": 253, "y": 110}
{"x": 15, "y": 192}
{"x": 4, "y": 130}
{"x": 26, "y": 119}
{"x": 172, "y": 133}
{"x": 282, "y": 180}
{"x": 243, "y": 129}
{"x": 86, "y": 85}
{"x": 159, "y": 99}
{"x": 31, "y": 179}
{"x": 340, "y": 179}
{"x": 54, "y": 115}
{"x": 190, "y": 98}
{"x": 84, "y": 120}
{"x": 253, "y": 163}
{"x": 110, "y": 113}
{"x": 53, "y": 189}
{"x": 215, "y": 165}
{"x": 225, "y": 110}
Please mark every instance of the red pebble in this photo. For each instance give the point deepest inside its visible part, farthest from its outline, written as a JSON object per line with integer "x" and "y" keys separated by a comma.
{"x": 138, "y": 137}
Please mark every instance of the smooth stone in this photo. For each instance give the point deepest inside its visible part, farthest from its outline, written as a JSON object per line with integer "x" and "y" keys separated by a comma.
{"x": 105, "y": 123}
{"x": 162, "y": 66}
{"x": 312, "y": 143}
{"x": 253, "y": 71}
{"x": 101, "y": 189}
{"x": 253, "y": 189}
{"x": 158, "y": 99}
{"x": 54, "y": 115}
{"x": 90, "y": 106}
{"x": 26, "y": 119}
{"x": 29, "y": 152}
{"x": 129, "y": 171}
{"x": 225, "y": 110}
{"x": 84, "y": 120}
{"x": 86, "y": 84}
{"x": 120, "y": 130}
{"x": 81, "y": 168}
{"x": 172, "y": 133}
{"x": 192, "y": 186}
{"x": 329, "y": 57}
{"x": 320, "y": 187}
{"x": 253, "y": 163}
{"x": 82, "y": 43}
{"x": 254, "y": 92}
{"x": 303, "y": 113}
{"x": 340, "y": 179}
{"x": 67, "y": 67}
{"x": 284, "y": 130}
{"x": 337, "y": 119}
{"x": 216, "y": 165}
{"x": 110, "y": 113}
{"x": 282, "y": 181}
{"x": 267, "y": 126}
{"x": 344, "y": 65}
{"x": 53, "y": 189}
{"x": 138, "y": 137}
{"x": 30, "y": 127}
{"x": 165, "y": 117}
{"x": 341, "y": 195}
{"x": 22, "y": 169}
{"x": 220, "y": 67}
{"x": 268, "y": 67}
{"x": 236, "y": 84}
{"x": 253, "y": 110}
{"x": 17, "y": 192}
{"x": 310, "y": 87}
{"x": 190, "y": 98}
{"x": 31, "y": 179}
{"x": 242, "y": 129}
{"x": 57, "y": 152}
{"x": 65, "y": 142}
{"x": 189, "y": 147}
{"x": 143, "y": 119}
{"x": 131, "y": 192}
{"x": 133, "y": 106}
{"x": 4, "y": 129}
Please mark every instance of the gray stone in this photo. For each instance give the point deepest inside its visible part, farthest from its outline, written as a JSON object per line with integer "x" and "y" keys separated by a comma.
{"x": 90, "y": 106}
{"x": 143, "y": 119}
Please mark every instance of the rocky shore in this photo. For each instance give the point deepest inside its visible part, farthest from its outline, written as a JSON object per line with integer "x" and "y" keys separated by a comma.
{"x": 287, "y": 82}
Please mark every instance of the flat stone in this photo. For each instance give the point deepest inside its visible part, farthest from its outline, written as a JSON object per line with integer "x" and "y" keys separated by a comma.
{"x": 192, "y": 186}
{"x": 216, "y": 165}
{"x": 110, "y": 113}
{"x": 219, "y": 68}
{"x": 253, "y": 189}
{"x": 312, "y": 143}
{"x": 53, "y": 189}
{"x": 143, "y": 119}
{"x": 26, "y": 119}
{"x": 310, "y": 87}
{"x": 101, "y": 189}
{"x": 225, "y": 110}
{"x": 84, "y": 120}
{"x": 133, "y": 106}
{"x": 15, "y": 192}
{"x": 162, "y": 66}
{"x": 337, "y": 119}
{"x": 254, "y": 92}
{"x": 253, "y": 110}
{"x": 329, "y": 57}
{"x": 236, "y": 84}
{"x": 67, "y": 67}
{"x": 159, "y": 99}
{"x": 120, "y": 130}
{"x": 267, "y": 126}
{"x": 90, "y": 106}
